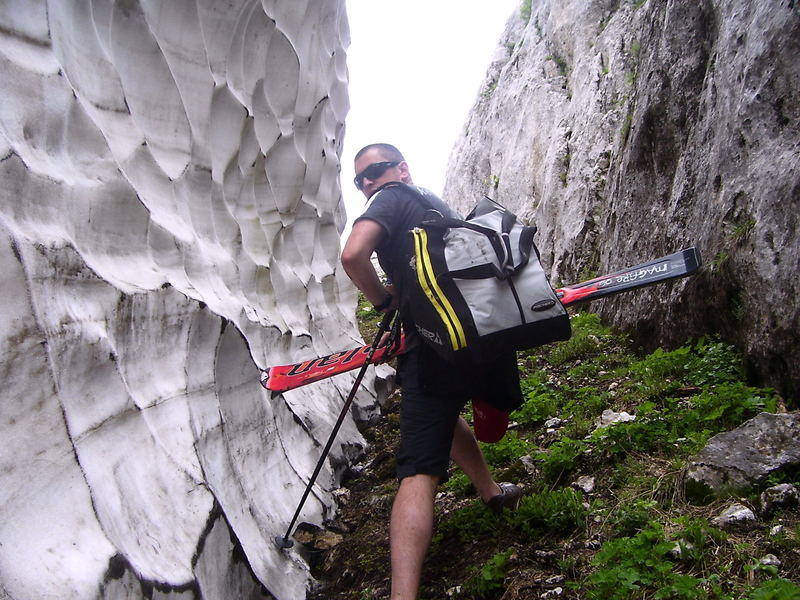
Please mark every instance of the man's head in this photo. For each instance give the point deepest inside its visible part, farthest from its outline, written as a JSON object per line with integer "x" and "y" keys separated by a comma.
{"x": 378, "y": 164}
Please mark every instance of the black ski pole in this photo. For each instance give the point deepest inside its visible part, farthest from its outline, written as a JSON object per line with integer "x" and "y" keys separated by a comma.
{"x": 383, "y": 327}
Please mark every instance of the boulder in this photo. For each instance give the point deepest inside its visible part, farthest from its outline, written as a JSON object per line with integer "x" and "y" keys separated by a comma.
{"x": 735, "y": 461}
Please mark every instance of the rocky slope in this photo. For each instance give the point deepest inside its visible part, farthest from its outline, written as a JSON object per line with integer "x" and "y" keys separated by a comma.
{"x": 628, "y": 130}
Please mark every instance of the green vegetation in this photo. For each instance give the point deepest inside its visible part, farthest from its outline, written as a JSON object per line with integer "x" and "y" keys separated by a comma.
{"x": 368, "y": 318}
{"x": 489, "y": 90}
{"x": 743, "y": 228}
{"x": 486, "y": 583}
{"x": 561, "y": 63}
{"x": 525, "y": 10}
{"x": 626, "y": 126}
{"x": 565, "y": 171}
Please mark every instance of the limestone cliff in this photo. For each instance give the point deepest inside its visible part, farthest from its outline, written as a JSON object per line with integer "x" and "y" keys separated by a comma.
{"x": 170, "y": 213}
{"x": 630, "y": 129}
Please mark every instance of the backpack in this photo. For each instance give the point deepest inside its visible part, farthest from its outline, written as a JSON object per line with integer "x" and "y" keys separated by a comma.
{"x": 475, "y": 287}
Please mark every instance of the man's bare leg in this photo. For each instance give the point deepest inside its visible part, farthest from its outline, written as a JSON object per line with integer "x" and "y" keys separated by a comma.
{"x": 467, "y": 454}
{"x": 410, "y": 533}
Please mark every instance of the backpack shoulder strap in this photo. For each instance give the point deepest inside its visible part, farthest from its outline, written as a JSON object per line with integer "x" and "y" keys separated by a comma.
{"x": 414, "y": 192}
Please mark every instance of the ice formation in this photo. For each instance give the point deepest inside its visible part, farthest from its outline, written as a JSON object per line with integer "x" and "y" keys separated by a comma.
{"x": 170, "y": 208}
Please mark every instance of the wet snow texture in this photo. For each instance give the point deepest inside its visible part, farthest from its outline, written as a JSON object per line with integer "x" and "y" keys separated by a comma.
{"x": 170, "y": 211}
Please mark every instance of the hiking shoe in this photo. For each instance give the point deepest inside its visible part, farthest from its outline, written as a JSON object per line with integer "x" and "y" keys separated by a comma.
{"x": 508, "y": 498}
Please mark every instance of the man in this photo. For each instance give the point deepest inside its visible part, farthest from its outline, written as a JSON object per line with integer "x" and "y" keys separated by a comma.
{"x": 433, "y": 391}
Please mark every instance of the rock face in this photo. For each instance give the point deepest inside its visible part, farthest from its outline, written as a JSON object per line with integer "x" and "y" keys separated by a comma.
{"x": 170, "y": 212}
{"x": 629, "y": 130}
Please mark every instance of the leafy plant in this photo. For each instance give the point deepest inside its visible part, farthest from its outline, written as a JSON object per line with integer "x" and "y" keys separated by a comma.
{"x": 507, "y": 450}
{"x": 488, "y": 582}
{"x": 458, "y": 483}
{"x": 719, "y": 261}
{"x": 468, "y": 523}
{"x": 632, "y": 517}
{"x": 743, "y": 228}
{"x": 695, "y": 536}
{"x": 489, "y": 89}
{"x": 552, "y": 511}
{"x": 638, "y": 567}
{"x": 368, "y": 318}
{"x": 561, "y": 63}
{"x": 541, "y": 401}
{"x": 715, "y": 363}
{"x": 776, "y": 589}
{"x": 561, "y": 458}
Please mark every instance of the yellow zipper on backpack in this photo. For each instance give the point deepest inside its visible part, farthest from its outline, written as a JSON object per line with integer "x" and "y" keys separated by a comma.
{"x": 427, "y": 281}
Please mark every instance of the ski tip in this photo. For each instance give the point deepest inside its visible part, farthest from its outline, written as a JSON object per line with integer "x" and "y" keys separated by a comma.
{"x": 691, "y": 256}
{"x": 265, "y": 379}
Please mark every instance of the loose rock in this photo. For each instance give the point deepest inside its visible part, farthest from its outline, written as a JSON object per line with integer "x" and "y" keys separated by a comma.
{"x": 784, "y": 495}
{"x": 735, "y": 517}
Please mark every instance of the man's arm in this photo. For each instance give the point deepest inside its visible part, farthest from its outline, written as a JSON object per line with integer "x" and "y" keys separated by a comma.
{"x": 364, "y": 238}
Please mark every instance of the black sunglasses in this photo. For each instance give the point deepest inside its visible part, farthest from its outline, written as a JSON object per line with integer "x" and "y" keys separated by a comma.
{"x": 374, "y": 171}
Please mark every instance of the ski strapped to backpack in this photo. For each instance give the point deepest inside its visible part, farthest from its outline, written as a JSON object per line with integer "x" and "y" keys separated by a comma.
{"x": 282, "y": 378}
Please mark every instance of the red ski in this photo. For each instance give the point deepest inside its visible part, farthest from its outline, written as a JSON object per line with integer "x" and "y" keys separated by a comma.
{"x": 673, "y": 266}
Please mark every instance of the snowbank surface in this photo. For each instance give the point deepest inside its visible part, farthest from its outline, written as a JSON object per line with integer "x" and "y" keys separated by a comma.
{"x": 170, "y": 211}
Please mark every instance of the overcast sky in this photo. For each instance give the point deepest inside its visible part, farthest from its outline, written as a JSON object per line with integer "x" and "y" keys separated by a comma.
{"x": 415, "y": 70}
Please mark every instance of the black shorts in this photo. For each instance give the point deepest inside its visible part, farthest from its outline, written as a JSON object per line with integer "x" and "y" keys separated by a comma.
{"x": 433, "y": 395}
{"x": 434, "y": 392}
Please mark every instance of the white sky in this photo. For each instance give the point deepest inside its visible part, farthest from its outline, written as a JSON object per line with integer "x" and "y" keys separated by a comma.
{"x": 415, "y": 70}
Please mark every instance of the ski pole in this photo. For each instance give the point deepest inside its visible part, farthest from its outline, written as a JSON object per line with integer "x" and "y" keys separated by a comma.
{"x": 284, "y": 542}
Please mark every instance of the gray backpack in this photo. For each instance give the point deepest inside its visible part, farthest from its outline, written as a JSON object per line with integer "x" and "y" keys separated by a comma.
{"x": 475, "y": 287}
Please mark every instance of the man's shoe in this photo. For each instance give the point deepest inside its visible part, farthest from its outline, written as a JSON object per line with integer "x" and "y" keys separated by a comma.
{"x": 508, "y": 498}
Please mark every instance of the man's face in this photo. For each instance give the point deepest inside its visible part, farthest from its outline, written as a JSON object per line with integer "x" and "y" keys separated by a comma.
{"x": 398, "y": 172}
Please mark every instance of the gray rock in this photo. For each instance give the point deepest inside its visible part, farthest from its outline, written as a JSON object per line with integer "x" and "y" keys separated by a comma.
{"x": 736, "y": 460}
{"x": 610, "y": 417}
{"x": 770, "y": 560}
{"x": 736, "y": 517}
{"x": 530, "y": 464}
{"x": 784, "y": 495}
{"x": 585, "y": 484}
